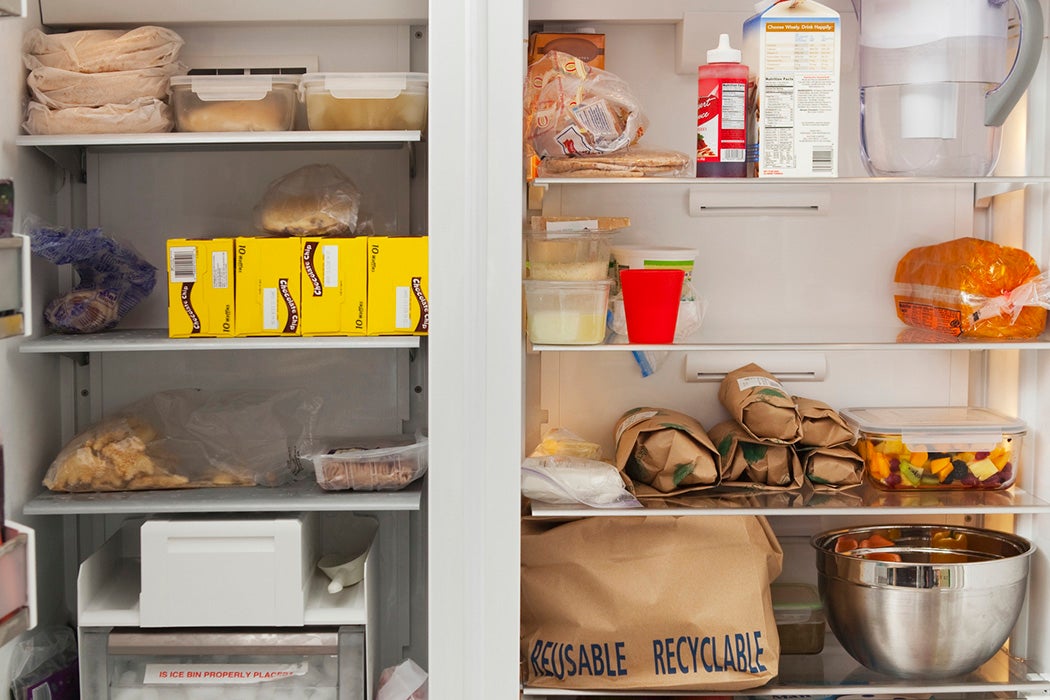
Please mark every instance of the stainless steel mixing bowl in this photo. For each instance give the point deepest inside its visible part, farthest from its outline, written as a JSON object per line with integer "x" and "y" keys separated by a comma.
{"x": 939, "y": 612}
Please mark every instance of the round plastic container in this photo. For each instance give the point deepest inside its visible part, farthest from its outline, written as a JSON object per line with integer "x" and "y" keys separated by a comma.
{"x": 233, "y": 102}
{"x": 957, "y": 447}
{"x": 365, "y": 101}
{"x": 568, "y": 256}
{"x": 566, "y": 313}
{"x": 631, "y": 257}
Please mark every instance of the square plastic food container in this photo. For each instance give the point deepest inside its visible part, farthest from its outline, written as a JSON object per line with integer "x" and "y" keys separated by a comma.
{"x": 568, "y": 256}
{"x": 799, "y": 617}
{"x": 365, "y": 101}
{"x": 234, "y": 102}
{"x": 956, "y": 447}
{"x": 566, "y": 313}
{"x": 372, "y": 464}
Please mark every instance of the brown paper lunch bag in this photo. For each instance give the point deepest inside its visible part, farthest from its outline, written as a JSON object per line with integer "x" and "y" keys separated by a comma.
{"x": 649, "y": 602}
{"x": 749, "y": 463}
{"x": 832, "y": 468}
{"x": 822, "y": 426}
{"x": 759, "y": 402}
{"x": 663, "y": 452}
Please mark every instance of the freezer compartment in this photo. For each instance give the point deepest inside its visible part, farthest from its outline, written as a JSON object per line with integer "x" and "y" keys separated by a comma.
{"x": 326, "y": 663}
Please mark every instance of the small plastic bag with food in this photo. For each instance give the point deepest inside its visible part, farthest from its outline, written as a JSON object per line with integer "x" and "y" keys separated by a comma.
{"x": 974, "y": 288}
{"x": 574, "y": 109}
{"x": 315, "y": 200}
{"x": 102, "y": 50}
{"x": 112, "y": 278}
{"x": 559, "y": 441}
{"x": 187, "y": 439}
{"x": 566, "y": 480}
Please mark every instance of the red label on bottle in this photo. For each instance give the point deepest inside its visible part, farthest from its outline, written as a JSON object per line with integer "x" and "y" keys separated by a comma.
{"x": 720, "y": 136}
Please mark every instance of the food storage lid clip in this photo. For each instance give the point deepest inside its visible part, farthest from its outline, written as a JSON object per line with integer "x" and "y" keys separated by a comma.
{"x": 220, "y": 88}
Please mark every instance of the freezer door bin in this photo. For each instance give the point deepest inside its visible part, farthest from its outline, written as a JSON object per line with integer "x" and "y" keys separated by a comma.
{"x": 321, "y": 663}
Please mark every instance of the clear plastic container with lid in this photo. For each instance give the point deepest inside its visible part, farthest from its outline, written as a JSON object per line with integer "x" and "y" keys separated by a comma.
{"x": 568, "y": 255}
{"x": 956, "y": 447}
{"x": 566, "y": 313}
{"x": 365, "y": 101}
{"x": 234, "y": 102}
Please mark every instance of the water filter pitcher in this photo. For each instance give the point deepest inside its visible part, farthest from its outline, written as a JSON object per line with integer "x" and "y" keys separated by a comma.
{"x": 936, "y": 83}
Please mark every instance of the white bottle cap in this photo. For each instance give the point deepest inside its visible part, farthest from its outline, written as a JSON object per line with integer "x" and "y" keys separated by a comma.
{"x": 724, "y": 53}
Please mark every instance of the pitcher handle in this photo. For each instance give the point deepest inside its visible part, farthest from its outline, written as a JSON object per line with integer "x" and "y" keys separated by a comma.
{"x": 1001, "y": 100}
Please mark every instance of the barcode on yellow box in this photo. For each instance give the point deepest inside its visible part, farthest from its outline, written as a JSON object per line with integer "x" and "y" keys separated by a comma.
{"x": 397, "y": 286}
{"x": 334, "y": 286}
{"x": 200, "y": 289}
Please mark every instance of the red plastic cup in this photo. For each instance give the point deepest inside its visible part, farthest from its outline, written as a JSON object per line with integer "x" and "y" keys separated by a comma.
{"x": 650, "y": 303}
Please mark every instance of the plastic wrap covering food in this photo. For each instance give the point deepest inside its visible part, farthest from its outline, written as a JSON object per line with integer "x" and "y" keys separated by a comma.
{"x": 143, "y": 116}
{"x": 111, "y": 277}
{"x": 315, "y": 200}
{"x": 973, "y": 288}
{"x": 190, "y": 438}
{"x": 62, "y": 89}
{"x": 574, "y": 109}
{"x": 635, "y": 161}
{"x": 102, "y": 50}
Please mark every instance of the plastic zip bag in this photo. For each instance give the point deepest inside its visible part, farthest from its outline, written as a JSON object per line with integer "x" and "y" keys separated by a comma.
{"x": 564, "y": 480}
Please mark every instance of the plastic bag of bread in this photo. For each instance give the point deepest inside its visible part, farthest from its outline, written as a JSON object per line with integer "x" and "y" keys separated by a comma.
{"x": 61, "y": 89}
{"x": 143, "y": 116}
{"x": 315, "y": 200}
{"x": 574, "y": 109}
{"x": 971, "y": 287}
{"x": 112, "y": 278}
{"x": 636, "y": 161}
{"x": 189, "y": 438}
{"x": 101, "y": 50}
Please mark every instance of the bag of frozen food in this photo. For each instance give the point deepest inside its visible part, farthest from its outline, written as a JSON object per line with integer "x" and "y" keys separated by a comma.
{"x": 101, "y": 50}
{"x": 621, "y": 604}
{"x": 314, "y": 200}
{"x": 822, "y": 426}
{"x": 385, "y": 463}
{"x": 758, "y": 402}
{"x": 574, "y": 109}
{"x": 59, "y": 89}
{"x": 972, "y": 287}
{"x": 143, "y": 116}
{"x": 665, "y": 452}
{"x": 832, "y": 467}
{"x": 111, "y": 277}
{"x": 567, "y": 480}
{"x": 749, "y": 463}
{"x": 189, "y": 438}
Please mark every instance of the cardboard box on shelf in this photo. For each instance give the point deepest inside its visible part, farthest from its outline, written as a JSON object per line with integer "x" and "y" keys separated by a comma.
{"x": 397, "y": 286}
{"x": 200, "y": 288}
{"x": 268, "y": 287}
{"x": 334, "y": 286}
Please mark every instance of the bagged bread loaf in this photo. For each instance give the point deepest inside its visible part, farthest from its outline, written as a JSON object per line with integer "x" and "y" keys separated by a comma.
{"x": 973, "y": 288}
{"x": 101, "y": 50}
{"x": 315, "y": 200}
{"x": 144, "y": 116}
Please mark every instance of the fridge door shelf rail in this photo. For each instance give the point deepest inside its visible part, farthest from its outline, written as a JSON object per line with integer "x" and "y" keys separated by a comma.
{"x": 157, "y": 340}
{"x": 304, "y": 495}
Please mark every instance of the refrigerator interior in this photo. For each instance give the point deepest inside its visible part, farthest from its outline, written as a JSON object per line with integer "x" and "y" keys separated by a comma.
{"x": 799, "y": 271}
{"x": 148, "y": 194}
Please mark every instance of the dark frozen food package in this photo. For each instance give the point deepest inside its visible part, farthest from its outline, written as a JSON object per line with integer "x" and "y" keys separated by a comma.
{"x": 112, "y": 278}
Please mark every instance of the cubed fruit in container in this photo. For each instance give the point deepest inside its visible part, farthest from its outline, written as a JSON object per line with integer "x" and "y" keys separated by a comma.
{"x": 566, "y": 313}
{"x": 365, "y": 101}
{"x": 957, "y": 447}
{"x": 234, "y": 102}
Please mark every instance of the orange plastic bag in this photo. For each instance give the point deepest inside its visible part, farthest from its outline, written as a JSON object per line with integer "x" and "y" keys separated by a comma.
{"x": 974, "y": 288}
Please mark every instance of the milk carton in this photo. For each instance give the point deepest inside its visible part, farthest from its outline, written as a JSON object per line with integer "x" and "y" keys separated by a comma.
{"x": 793, "y": 49}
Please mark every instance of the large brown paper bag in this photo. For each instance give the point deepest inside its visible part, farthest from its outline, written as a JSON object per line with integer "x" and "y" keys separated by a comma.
{"x": 749, "y": 463}
{"x": 760, "y": 403}
{"x": 614, "y": 603}
{"x": 822, "y": 426}
{"x": 832, "y": 467}
{"x": 663, "y": 452}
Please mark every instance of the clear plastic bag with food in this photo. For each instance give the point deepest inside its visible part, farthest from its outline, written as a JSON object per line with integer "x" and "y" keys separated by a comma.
{"x": 112, "y": 278}
{"x": 60, "y": 89}
{"x": 314, "y": 200}
{"x": 635, "y": 161}
{"x": 559, "y": 441}
{"x": 566, "y": 480}
{"x": 101, "y": 50}
{"x": 574, "y": 109}
{"x": 143, "y": 116}
{"x": 386, "y": 463}
{"x": 189, "y": 438}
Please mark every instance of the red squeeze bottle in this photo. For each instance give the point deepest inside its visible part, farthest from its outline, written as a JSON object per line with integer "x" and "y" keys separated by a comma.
{"x": 720, "y": 114}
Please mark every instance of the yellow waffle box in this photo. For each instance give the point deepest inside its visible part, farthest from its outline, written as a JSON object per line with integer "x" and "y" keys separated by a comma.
{"x": 268, "y": 287}
{"x": 334, "y": 286}
{"x": 200, "y": 288}
{"x": 397, "y": 286}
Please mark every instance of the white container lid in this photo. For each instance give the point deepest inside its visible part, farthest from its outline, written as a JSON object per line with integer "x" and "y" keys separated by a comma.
{"x": 932, "y": 424}
{"x": 216, "y": 88}
{"x": 364, "y": 86}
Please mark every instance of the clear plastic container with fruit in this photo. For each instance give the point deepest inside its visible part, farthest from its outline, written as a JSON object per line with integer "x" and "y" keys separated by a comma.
{"x": 956, "y": 447}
